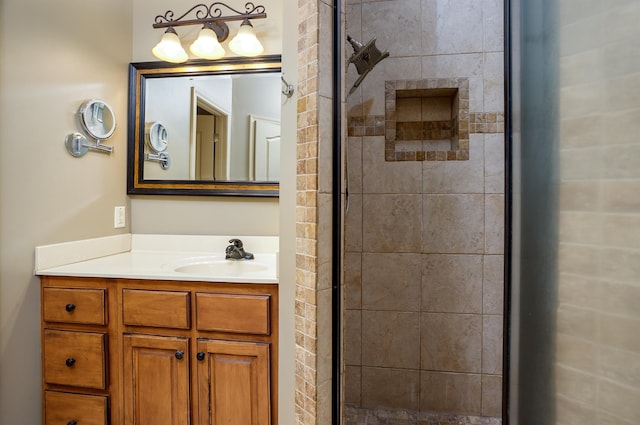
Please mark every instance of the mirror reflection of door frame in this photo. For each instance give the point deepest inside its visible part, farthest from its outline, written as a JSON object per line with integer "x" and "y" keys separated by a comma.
{"x": 253, "y": 119}
{"x": 221, "y": 145}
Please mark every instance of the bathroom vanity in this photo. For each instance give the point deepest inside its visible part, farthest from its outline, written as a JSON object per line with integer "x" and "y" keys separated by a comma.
{"x": 129, "y": 348}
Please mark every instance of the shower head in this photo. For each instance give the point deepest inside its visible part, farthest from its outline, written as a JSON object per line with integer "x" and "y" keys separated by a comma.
{"x": 364, "y": 57}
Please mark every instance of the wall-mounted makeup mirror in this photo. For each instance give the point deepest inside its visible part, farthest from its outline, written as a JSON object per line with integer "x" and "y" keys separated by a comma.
{"x": 99, "y": 122}
{"x": 217, "y": 121}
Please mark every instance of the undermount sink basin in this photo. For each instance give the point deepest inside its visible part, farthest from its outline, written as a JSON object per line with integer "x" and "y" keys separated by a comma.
{"x": 221, "y": 267}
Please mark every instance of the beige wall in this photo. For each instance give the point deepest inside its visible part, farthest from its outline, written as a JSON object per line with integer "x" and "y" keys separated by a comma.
{"x": 598, "y": 316}
{"x": 53, "y": 56}
{"x": 424, "y": 239}
{"x": 203, "y": 215}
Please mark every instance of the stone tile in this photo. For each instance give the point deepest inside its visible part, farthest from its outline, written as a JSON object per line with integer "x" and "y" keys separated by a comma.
{"x": 452, "y": 283}
{"x": 619, "y": 400}
{"x": 494, "y": 163}
{"x": 577, "y": 322}
{"x": 494, "y": 224}
{"x": 456, "y": 176}
{"x": 451, "y": 392}
{"x": 620, "y": 366}
{"x": 493, "y": 285}
{"x": 325, "y": 145}
{"x": 391, "y": 388}
{"x": 494, "y": 82}
{"x": 325, "y": 57}
{"x": 492, "y": 344}
{"x": 408, "y": 109}
{"x": 352, "y": 385}
{"x": 617, "y": 195}
{"x": 451, "y": 342}
{"x": 569, "y": 412}
{"x": 324, "y": 332}
{"x": 353, "y": 280}
{"x": 622, "y": 265}
{"x": 584, "y": 196}
{"x": 619, "y": 332}
{"x": 576, "y": 352}
{"x": 575, "y": 385}
{"x": 469, "y": 65}
{"x": 442, "y": 22}
{"x": 353, "y": 224}
{"x": 618, "y": 298}
{"x": 493, "y": 25}
{"x": 390, "y": 339}
{"x": 396, "y": 68}
{"x": 391, "y": 281}
{"x": 395, "y": 24}
{"x": 492, "y": 395}
{"x": 380, "y": 176}
{"x": 353, "y": 337}
{"x": 453, "y": 224}
{"x": 354, "y": 165}
{"x": 392, "y": 223}
{"x": 622, "y": 162}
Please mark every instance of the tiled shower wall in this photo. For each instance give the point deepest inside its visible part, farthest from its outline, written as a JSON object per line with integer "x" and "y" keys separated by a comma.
{"x": 424, "y": 239}
{"x": 597, "y": 373}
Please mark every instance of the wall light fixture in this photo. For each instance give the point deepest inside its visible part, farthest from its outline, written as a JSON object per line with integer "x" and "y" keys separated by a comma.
{"x": 214, "y": 31}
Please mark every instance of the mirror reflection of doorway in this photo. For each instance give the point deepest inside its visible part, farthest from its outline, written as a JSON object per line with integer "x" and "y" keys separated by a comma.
{"x": 209, "y": 139}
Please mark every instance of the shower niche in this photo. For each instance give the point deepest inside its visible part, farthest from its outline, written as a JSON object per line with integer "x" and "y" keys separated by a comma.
{"x": 427, "y": 120}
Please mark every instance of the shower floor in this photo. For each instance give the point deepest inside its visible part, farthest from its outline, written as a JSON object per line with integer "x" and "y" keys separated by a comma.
{"x": 358, "y": 416}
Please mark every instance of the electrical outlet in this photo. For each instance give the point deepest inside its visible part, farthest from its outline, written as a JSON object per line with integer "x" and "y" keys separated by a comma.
{"x": 119, "y": 217}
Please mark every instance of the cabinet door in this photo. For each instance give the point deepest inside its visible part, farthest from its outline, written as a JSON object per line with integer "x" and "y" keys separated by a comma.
{"x": 234, "y": 385}
{"x": 156, "y": 380}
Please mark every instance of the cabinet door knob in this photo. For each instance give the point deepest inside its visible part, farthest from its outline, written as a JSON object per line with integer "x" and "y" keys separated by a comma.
{"x": 200, "y": 356}
{"x": 70, "y": 361}
{"x": 70, "y": 307}
{"x": 72, "y": 422}
{"x": 179, "y": 355}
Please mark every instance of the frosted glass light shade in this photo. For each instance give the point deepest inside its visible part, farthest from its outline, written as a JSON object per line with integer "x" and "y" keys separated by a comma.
{"x": 169, "y": 48}
{"x": 207, "y": 45}
{"x": 245, "y": 43}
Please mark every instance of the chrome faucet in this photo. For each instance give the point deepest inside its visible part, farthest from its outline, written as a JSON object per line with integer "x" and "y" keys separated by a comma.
{"x": 235, "y": 251}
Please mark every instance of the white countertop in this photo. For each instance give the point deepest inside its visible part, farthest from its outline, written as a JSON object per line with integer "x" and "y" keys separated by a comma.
{"x": 156, "y": 257}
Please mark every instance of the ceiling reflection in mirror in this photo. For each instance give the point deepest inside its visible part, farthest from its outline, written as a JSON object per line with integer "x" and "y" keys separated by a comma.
{"x": 205, "y": 128}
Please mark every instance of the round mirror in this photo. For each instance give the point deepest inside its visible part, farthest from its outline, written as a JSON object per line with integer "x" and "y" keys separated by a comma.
{"x": 97, "y": 119}
{"x": 156, "y": 136}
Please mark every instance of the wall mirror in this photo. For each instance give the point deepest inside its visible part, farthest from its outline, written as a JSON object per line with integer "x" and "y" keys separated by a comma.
{"x": 215, "y": 127}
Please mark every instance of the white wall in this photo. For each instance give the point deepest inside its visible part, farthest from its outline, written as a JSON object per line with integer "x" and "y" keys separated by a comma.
{"x": 203, "y": 215}
{"x": 53, "y": 56}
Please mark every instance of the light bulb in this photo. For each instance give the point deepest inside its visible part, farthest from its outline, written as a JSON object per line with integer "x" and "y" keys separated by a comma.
{"x": 245, "y": 43}
{"x": 207, "y": 45}
{"x": 169, "y": 48}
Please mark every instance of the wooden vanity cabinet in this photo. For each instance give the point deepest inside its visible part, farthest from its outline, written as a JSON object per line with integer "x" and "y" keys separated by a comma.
{"x": 175, "y": 353}
{"x": 79, "y": 343}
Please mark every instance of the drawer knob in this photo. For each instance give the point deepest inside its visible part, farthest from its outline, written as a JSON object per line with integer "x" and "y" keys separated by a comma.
{"x": 70, "y": 362}
{"x": 70, "y": 307}
{"x": 179, "y": 355}
{"x": 200, "y": 356}
{"x": 72, "y": 422}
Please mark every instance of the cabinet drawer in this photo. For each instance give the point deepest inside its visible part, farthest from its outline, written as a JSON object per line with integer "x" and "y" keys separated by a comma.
{"x": 65, "y": 408}
{"x": 161, "y": 309}
{"x": 233, "y": 313}
{"x": 74, "y": 305}
{"x": 74, "y": 358}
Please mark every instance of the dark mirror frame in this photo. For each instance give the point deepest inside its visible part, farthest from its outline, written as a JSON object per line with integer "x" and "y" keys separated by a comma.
{"x": 138, "y": 73}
